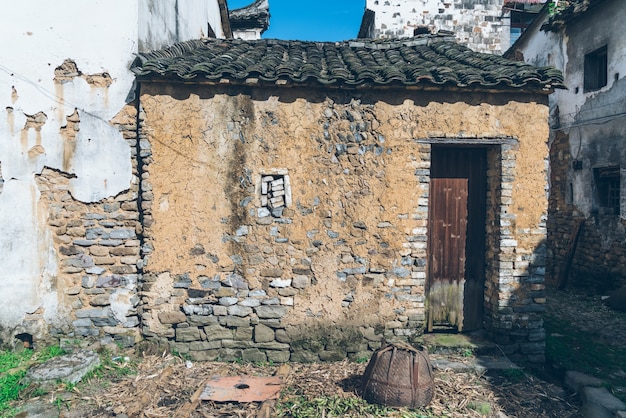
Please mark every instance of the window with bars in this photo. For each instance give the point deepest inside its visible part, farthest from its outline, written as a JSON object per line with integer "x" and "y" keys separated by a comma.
{"x": 607, "y": 182}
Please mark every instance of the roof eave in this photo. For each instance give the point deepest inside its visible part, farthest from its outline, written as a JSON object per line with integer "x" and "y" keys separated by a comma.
{"x": 531, "y": 88}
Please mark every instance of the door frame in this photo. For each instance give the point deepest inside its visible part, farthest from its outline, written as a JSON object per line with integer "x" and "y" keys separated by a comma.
{"x": 465, "y": 162}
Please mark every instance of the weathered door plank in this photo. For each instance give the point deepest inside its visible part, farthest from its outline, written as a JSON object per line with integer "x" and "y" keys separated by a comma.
{"x": 448, "y": 235}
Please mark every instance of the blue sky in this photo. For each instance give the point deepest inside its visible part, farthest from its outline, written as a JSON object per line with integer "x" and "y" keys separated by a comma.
{"x": 311, "y": 20}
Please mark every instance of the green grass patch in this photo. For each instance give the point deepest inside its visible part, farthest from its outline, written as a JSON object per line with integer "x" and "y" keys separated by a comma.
{"x": 49, "y": 352}
{"x": 112, "y": 366}
{"x": 10, "y": 388}
{"x": 513, "y": 375}
{"x": 12, "y": 370}
{"x": 13, "y": 367}
{"x": 483, "y": 408}
{"x": 568, "y": 348}
{"x": 335, "y": 406}
{"x": 11, "y": 360}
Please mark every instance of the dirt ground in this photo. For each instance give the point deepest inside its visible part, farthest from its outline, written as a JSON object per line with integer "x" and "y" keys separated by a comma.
{"x": 586, "y": 312}
{"x": 585, "y": 335}
{"x": 164, "y": 385}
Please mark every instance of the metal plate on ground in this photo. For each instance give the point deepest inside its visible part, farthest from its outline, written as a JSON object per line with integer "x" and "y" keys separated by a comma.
{"x": 241, "y": 389}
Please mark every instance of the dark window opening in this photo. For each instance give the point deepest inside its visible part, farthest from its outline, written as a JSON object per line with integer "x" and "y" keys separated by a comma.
{"x": 596, "y": 69}
{"x": 26, "y": 340}
{"x": 523, "y": 14}
{"x": 608, "y": 188}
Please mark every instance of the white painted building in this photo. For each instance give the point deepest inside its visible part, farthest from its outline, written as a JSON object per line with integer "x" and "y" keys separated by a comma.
{"x": 95, "y": 41}
{"x": 482, "y": 25}
{"x": 251, "y": 21}
{"x": 588, "y": 165}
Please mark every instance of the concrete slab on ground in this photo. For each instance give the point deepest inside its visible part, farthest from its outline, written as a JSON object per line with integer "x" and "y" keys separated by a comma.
{"x": 69, "y": 368}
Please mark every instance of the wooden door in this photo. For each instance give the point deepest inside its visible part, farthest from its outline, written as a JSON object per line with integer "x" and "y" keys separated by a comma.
{"x": 456, "y": 246}
{"x": 448, "y": 236}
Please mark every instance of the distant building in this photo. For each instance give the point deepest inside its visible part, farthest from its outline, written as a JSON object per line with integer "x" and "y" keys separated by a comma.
{"x": 484, "y": 26}
{"x": 251, "y": 21}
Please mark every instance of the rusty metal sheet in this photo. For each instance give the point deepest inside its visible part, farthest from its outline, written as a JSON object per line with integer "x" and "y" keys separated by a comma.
{"x": 241, "y": 389}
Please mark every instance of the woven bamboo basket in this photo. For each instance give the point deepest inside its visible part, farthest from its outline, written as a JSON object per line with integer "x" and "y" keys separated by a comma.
{"x": 399, "y": 375}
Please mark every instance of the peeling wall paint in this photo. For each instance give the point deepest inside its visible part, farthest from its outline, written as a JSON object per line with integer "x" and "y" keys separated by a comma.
{"x": 64, "y": 76}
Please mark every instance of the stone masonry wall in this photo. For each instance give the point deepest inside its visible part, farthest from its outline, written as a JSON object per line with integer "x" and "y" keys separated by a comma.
{"x": 515, "y": 290}
{"x": 599, "y": 264}
{"x": 97, "y": 247}
{"x": 481, "y": 25}
{"x": 333, "y": 260}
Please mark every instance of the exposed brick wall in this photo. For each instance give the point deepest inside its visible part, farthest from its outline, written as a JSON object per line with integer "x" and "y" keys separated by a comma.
{"x": 599, "y": 263}
{"x": 515, "y": 290}
{"x": 98, "y": 251}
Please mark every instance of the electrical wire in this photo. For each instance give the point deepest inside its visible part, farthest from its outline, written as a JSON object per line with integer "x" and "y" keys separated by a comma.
{"x": 48, "y": 94}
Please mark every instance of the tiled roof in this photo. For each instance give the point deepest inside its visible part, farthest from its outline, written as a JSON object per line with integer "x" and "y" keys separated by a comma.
{"x": 568, "y": 11}
{"x": 421, "y": 61}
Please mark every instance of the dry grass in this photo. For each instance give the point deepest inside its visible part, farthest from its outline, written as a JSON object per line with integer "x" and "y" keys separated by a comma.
{"x": 164, "y": 386}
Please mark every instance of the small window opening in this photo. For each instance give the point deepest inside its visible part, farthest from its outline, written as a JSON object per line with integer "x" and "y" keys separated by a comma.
{"x": 275, "y": 193}
{"x": 26, "y": 340}
{"x": 596, "y": 69}
{"x": 608, "y": 188}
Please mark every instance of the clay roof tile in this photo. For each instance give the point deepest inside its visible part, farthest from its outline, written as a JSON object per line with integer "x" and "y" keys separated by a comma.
{"x": 424, "y": 60}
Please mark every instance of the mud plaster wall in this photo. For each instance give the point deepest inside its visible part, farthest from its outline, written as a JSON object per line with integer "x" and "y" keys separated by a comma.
{"x": 349, "y": 254}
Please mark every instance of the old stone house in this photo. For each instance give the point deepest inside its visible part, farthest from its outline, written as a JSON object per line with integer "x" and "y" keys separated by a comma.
{"x": 266, "y": 200}
{"x": 305, "y": 201}
{"x": 587, "y": 158}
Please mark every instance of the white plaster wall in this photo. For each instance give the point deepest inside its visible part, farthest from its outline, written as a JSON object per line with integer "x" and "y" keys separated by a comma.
{"x": 566, "y": 50}
{"x": 541, "y": 48}
{"x": 248, "y": 35}
{"x": 38, "y": 36}
{"x": 163, "y": 22}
